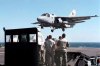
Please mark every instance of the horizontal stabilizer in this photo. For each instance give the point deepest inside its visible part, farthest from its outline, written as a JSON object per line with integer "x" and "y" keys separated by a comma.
{"x": 79, "y": 21}
{"x": 95, "y": 16}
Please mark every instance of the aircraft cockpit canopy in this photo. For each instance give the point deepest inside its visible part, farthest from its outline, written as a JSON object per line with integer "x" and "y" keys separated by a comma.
{"x": 46, "y": 14}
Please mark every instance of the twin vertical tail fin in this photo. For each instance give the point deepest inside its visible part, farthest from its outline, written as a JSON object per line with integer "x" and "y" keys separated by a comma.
{"x": 73, "y": 13}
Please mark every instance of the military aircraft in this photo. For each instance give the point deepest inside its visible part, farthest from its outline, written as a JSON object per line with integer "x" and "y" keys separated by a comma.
{"x": 51, "y": 20}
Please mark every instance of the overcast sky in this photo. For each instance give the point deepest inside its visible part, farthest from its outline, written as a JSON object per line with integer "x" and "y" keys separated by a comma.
{"x": 21, "y": 13}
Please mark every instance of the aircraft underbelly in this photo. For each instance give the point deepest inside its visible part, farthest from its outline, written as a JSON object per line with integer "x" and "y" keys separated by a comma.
{"x": 58, "y": 25}
{"x": 46, "y": 24}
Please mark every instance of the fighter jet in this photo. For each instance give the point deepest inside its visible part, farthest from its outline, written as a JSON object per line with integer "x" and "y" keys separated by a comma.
{"x": 56, "y": 22}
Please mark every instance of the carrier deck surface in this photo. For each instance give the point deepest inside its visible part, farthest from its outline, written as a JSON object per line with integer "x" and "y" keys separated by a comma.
{"x": 87, "y": 51}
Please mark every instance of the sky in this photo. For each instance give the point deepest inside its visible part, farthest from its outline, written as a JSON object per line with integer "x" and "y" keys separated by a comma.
{"x": 21, "y": 13}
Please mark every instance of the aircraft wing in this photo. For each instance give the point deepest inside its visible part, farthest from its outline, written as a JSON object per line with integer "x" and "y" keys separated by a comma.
{"x": 75, "y": 19}
{"x": 36, "y": 23}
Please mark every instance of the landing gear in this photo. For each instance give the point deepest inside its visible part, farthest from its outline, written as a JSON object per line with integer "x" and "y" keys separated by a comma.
{"x": 52, "y": 30}
{"x": 63, "y": 29}
{"x": 41, "y": 27}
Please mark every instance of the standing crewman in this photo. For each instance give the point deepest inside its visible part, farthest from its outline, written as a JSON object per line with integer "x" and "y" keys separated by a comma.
{"x": 49, "y": 46}
{"x": 61, "y": 51}
{"x": 41, "y": 51}
{"x": 57, "y": 51}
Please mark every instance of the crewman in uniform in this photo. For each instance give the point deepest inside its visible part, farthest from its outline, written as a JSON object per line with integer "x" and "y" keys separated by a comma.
{"x": 61, "y": 51}
{"x": 49, "y": 46}
{"x": 56, "y": 51}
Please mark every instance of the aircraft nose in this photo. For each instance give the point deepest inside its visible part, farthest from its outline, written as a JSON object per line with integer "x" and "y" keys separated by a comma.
{"x": 39, "y": 18}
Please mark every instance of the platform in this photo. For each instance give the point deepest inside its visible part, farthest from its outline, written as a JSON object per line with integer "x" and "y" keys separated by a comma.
{"x": 87, "y": 51}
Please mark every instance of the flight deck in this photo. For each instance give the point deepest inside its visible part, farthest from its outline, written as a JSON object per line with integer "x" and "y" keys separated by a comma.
{"x": 87, "y": 51}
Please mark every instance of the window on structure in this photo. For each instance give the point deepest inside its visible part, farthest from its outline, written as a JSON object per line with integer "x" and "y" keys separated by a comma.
{"x": 8, "y": 38}
{"x": 24, "y": 38}
{"x": 32, "y": 37}
{"x": 15, "y": 38}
